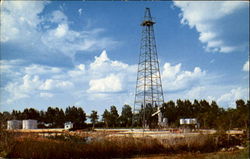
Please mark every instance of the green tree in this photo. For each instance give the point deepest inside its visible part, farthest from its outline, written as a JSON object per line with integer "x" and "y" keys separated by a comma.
{"x": 93, "y": 118}
{"x": 150, "y": 121}
{"x": 221, "y": 120}
{"x": 114, "y": 116}
{"x": 126, "y": 116}
{"x": 59, "y": 118}
{"x": 213, "y": 115}
{"x": 242, "y": 112}
{"x": 188, "y": 109}
{"x": 30, "y": 113}
{"x": 50, "y": 115}
{"x": 180, "y": 106}
{"x": 3, "y": 119}
{"x": 16, "y": 115}
{"x": 196, "y": 108}
{"x": 204, "y": 113}
{"x": 75, "y": 115}
{"x": 169, "y": 111}
{"x": 106, "y": 118}
{"x": 42, "y": 116}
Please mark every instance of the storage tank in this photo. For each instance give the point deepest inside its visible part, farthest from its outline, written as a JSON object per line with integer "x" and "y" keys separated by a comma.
{"x": 182, "y": 121}
{"x": 14, "y": 124}
{"x": 188, "y": 121}
{"x": 193, "y": 121}
{"x": 29, "y": 124}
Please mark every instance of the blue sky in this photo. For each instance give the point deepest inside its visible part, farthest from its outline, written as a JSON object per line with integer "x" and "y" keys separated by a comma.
{"x": 86, "y": 53}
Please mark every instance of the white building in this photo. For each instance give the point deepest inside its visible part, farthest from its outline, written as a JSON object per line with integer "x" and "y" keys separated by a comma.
{"x": 14, "y": 124}
{"x": 68, "y": 125}
{"x": 29, "y": 124}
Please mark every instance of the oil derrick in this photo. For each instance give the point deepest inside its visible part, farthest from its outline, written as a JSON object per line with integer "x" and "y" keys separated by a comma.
{"x": 148, "y": 85}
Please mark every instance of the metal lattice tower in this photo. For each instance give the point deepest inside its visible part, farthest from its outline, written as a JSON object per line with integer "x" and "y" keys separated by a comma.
{"x": 148, "y": 85}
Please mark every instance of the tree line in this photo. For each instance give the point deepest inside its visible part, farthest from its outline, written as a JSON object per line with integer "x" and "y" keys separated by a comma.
{"x": 53, "y": 117}
{"x": 209, "y": 115}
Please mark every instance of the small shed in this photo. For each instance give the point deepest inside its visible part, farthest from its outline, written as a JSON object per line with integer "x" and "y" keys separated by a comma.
{"x": 14, "y": 124}
{"x": 68, "y": 125}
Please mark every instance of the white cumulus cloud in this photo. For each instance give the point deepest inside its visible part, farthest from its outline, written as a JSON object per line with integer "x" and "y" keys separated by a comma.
{"x": 246, "y": 66}
{"x": 22, "y": 88}
{"x": 46, "y": 95}
{"x": 111, "y": 83}
{"x": 61, "y": 30}
{"x": 196, "y": 92}
{"x": 80, "y": 11}
{"x": 97, "y": 79}
{"x": 174, "y": 78}
{"x": 103, "y": 66}
{"x": 31, "y": 81}
{"x": 229, "y": 98}
{"x": 19, "y": 19}
{"x": 50, "y": 84}
{"x": 104, "y": 78}
{"x": 58, "y": 16}
{"x": 211, "y": 20}
{"x": 40, "y": 69}
{"x": 24, "y": 24}
{"x": 78, "y": 72}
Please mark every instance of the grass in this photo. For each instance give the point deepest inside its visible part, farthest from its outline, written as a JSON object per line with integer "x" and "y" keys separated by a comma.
{"x": 243, "y": 154}
{"x": 7, "y": 142}
{"x": 232, "y": 155}
{"x": 104, "y": 148}
{"x": 14, "y": 145}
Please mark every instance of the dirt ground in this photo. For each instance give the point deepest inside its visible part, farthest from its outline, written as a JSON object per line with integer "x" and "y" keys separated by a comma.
{"x": 136, "y": 133}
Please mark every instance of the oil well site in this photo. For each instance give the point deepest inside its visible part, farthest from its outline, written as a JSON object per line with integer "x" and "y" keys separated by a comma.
{"x": 153, "y": 127}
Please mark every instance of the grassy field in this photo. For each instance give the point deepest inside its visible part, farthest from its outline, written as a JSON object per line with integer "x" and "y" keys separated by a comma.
{"x": 242, "y": 154}
{"x": 79, "y": 144}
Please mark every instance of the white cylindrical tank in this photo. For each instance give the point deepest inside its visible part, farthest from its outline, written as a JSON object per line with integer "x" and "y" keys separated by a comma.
{"x": 182, "y": 121}
{"x": 29, "y": 124}
{"x": 14, "y": 124}
{"x": 188, "y": 121}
